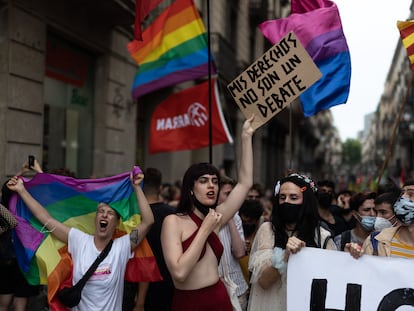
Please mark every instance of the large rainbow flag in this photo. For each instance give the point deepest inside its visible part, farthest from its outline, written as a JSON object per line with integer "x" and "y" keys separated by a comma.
{"x": 173, "y": 50}
{"x": 44, "y": 259}
{"x": 318, "y": 26}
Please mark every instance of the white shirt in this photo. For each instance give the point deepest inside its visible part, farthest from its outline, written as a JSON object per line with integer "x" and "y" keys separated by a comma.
{"x": 233, "y": 267}
{"x": 104, "y": 289}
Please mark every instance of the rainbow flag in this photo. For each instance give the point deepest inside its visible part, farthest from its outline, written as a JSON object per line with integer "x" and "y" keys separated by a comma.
{"x": 318, "y": 26}
{"x": 142, "y": 9}
{"x": 44, "y": 259}
{"x": 173, "y": 50}
{"x": 407, "y": 36}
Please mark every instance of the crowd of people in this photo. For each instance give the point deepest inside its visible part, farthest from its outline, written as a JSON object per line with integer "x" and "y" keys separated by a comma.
{"x": 219, "y": 243}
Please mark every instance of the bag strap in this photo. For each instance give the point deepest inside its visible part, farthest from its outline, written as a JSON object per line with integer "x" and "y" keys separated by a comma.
{"x": 345, "y": 238}
{"x": 325, "y": 242}
{"x": 81, "y": 283}
{"x": 374, "y": 242}
{"x": 319, "y": 236}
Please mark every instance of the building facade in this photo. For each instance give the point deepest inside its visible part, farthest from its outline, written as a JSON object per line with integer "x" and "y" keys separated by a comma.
{"x": 65, "y": 86}
{"x": 65, "y": 81}
{"x": 388, "y": 143}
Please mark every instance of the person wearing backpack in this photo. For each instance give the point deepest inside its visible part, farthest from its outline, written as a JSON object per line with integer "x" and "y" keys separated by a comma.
{"x": 395, "y": 241}
{"x": 363, "y": 210}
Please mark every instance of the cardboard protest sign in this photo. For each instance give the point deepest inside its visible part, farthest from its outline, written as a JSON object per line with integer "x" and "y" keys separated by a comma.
{"x": 333, "y": 280}
{"x": 274, "y": 80}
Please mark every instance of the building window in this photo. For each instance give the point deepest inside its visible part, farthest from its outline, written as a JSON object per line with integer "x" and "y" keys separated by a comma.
{"x": 68, "y": 115}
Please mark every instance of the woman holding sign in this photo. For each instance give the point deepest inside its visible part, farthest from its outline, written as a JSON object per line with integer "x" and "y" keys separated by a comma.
{"x": 294, "y": 225}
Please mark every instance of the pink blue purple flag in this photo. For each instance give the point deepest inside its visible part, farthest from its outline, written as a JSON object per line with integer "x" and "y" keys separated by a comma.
{"x": 318, "y": 26}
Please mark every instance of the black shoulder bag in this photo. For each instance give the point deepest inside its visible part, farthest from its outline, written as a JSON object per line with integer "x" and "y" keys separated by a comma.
{"x": 71, "y": 296}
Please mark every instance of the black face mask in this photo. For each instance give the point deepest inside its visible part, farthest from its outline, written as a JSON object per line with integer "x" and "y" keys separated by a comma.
{"x": 325, "y": 199}
{"x": 290, "y": 212}
{"x": 249, "y": 229}
{"x": 204, "y": 209}
{"x": 345, "y": 212}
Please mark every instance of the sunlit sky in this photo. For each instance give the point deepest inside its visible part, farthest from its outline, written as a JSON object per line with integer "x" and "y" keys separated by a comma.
{"x": 372, "y": 36}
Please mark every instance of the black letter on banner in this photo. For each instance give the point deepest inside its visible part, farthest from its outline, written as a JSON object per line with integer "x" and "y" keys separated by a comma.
{"x": 318, "y": 296}
{"x": 353, "y": 297}
{"x": 397, "y": 298}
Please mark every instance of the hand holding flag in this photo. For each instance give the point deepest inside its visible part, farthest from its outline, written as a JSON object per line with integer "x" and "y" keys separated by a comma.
{"x": 136, "y": 176}
{"x": 72, "y": 203}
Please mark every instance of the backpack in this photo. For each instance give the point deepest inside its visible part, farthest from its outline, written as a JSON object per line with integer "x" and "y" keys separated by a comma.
{"x": 319, "y": 244}
{"x": 345, "y": 238}
{"x": 374, "y": 242}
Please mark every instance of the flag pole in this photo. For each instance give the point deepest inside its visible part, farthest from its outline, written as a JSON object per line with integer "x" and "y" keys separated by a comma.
{"x": 210, "y": 122}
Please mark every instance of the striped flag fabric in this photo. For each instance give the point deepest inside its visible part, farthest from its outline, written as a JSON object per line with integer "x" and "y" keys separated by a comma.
{"x": 407, "y": 36}
{"x": 173, "y": 50}
{"x": 318, "y": 26}
{"x": 181, "y": 121}
{"x": 142, "y": 9}
{"x": 43, "y": 258}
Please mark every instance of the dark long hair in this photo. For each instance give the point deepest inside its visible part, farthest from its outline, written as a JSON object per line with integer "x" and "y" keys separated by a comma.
{"x": 308, "y": 218}
{"x": 6, "y": 194}
{"x": 185, "y": 205}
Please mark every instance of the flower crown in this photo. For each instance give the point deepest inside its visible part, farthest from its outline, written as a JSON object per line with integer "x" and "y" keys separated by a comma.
{"x": 305, "y": 178}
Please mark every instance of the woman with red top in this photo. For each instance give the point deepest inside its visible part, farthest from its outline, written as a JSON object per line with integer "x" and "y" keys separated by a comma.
{"x": 189, "y": 239}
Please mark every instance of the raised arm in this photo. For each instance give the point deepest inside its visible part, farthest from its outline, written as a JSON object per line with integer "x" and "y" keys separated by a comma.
{"x": 25, "y": 168}
{"x": 56, "y": 228}
{"x": 147, "y": 218}
{"x": 245, "y": 179}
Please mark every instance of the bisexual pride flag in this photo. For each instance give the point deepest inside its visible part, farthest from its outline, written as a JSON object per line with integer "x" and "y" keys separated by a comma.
{"x": 318, "y": 26}
{"x": 43, "y": 258}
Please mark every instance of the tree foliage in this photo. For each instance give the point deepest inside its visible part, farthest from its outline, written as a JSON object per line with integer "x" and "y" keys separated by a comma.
{"x": 351, "y": 152}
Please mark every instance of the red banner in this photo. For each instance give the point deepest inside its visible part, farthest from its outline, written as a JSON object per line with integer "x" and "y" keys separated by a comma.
{"x": 181, "y": 121}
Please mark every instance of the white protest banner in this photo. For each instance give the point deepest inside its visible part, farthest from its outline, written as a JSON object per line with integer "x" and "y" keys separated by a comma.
{"x": 320, "y": 280}
{"x": 274, "y": 80}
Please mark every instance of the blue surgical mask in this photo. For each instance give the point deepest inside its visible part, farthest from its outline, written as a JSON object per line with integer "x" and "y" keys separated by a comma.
{"x": 368, "y": 222}
{"x": 404, "y": 210}
{"x": 382, "y": 223}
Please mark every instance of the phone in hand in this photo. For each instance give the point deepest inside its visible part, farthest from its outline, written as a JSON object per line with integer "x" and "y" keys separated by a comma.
{"x": 31, "y": 161}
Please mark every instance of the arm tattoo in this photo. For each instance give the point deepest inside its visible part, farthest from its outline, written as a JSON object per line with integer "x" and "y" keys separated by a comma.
{"x": 134, "y": 236}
